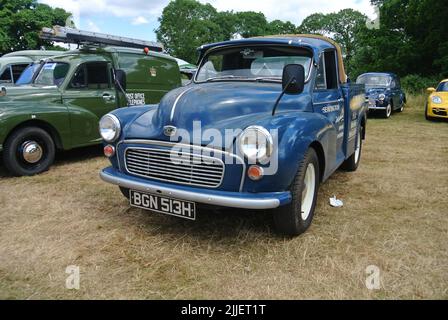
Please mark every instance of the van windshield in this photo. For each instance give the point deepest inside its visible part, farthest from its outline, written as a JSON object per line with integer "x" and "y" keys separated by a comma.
{"x": 375, "y": 81}
{"x": 251, "y": 63}
{"x": 52, "y": 74}
{"x": 28, "y": 74}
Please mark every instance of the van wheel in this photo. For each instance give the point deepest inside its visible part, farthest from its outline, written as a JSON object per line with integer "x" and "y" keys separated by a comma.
{"x": 29, "y": 151}
{"x": 352, "y": 163}
{"x": 296, "y": 217}
{"x": 125, "y": 192}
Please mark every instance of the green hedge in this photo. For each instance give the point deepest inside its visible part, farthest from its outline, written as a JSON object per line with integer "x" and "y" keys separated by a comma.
{"x": 416, "y": 84}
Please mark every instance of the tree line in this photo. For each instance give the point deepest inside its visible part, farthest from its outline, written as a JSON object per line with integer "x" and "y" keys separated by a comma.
{"x": 412, "y": 39}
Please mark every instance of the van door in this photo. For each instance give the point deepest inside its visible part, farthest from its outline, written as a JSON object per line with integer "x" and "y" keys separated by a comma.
{"x": 328, "y": 100}
{"x": 89, "y": 95}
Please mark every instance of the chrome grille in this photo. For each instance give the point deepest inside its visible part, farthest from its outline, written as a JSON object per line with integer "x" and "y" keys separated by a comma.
{"x": 179, "y": 167}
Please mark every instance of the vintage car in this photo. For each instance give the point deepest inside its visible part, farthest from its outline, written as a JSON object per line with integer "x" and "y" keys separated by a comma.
{"x": 61, "y": 109}
{"x": 263, "y": 123}
{"x": 383, "y": 90}
{"x": 13, "y": 64}
{"x": 437, "y": 104}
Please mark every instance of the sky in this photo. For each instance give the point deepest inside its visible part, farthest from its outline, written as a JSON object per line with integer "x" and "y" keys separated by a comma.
{"x": 138, "y": 18}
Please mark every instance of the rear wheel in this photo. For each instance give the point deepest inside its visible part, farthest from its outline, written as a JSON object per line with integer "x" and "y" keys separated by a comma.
{"x": 352, "y": 163}
{"x": 295, "y": 218}
{"x": 29, "y": 151}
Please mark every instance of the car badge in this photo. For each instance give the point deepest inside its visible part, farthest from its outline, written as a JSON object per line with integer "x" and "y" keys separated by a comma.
{"x": 153, "y": 72}
{"x": 169, "y": 131}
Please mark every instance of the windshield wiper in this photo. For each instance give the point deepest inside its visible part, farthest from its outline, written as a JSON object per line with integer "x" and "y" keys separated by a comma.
{"x": 268, "y": 79}
{"x": 229, "y": 77}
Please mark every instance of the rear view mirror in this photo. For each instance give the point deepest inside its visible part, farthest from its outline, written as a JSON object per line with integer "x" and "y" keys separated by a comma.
{"x": 431, "y": 90}
{"x": 120, "y": 79}
{"x": 293, "y": 79}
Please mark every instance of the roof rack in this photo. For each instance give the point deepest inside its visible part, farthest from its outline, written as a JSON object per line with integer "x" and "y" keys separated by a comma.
{"x": 75, "y": 36}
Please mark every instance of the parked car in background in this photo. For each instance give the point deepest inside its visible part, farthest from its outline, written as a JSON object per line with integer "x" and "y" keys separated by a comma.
{"x": 13, "y": 64}
{"x": 437, "y": 104}
{"x": 187, "y": 70}
{"x": 383, "y": 90}
{"x": 277, "y": 116}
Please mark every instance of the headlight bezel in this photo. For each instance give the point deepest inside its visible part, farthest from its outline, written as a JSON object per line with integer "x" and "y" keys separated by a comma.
{"x": 268, "y": 141}
{"x": 436, "y": 99}
{"x": 116, "y": 130}
{"x": 382, "y": 97}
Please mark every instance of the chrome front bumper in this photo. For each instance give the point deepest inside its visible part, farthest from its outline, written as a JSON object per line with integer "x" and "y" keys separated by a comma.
{"x": 240, "y": 200}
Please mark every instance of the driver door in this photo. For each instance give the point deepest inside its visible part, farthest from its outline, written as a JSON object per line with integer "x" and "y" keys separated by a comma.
{"x": 88, "y": 96}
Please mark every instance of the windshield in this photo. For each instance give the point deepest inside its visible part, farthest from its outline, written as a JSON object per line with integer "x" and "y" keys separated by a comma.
{"x": 27, "y": 75}
{"x": 251, "y": 63}
{"x": 52, "y": 74}
{"x": 377, "y": 81}
{"x": 443, "y": 87}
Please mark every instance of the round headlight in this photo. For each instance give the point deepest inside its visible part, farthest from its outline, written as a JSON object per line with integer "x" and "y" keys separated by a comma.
{"x": 437, "y": 99}
{"x": 382, "y": 97}
{"x": 110, "y": 128}
{"x": 256, "y": 144}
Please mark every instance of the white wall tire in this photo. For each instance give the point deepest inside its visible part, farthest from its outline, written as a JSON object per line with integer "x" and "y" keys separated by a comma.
{"x": 295, "y": 218}
{"x": 352, "y": 163}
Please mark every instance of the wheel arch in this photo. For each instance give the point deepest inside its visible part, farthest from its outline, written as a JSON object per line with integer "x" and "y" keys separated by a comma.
{"x": 42, "y": 125}
{"x": 321, "y": 156}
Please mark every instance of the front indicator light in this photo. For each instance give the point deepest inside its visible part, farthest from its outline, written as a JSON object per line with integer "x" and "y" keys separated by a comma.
{"x": 255, "y": 173}
{"x": 109, "y": 151}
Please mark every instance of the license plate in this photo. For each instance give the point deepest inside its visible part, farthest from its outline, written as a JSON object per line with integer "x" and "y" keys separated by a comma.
{"x": 170, "y": 206}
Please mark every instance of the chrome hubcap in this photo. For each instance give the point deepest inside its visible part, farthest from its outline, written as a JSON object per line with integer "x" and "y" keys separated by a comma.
{"x": 309, "y": 184}
{"x": 389, "y": 110}
{"x": 32, "y": 152}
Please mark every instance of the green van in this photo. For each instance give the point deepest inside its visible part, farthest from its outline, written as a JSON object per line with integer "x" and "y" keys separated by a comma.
{"x": 61, "y": 109}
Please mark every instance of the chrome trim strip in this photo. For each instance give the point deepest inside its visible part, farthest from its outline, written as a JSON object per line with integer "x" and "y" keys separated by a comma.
{"x": 171, "y": 144}
{"x": 327, "y": 102}
{"x": 173, "y": 110}
{"x": 217, "y": 200}
{"x": 182, "y": 175}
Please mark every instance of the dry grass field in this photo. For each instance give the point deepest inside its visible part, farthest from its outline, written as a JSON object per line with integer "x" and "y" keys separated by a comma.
{"x": 395, "y": 216}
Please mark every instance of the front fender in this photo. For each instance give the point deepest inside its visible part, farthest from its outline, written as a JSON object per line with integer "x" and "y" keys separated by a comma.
{"x": 297, "y": 131}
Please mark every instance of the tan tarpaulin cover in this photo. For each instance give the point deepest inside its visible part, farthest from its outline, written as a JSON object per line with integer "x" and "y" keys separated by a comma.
{"x": 342, "y": 74}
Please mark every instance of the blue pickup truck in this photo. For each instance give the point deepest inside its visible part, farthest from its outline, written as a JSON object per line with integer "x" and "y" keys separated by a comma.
{"x": 264, "y": 122}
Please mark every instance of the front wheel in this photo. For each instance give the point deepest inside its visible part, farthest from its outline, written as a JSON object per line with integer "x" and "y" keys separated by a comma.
{"x": 125, "y": 192}
{"x": 28, "y": 151}
{"x": 295, "y": 218}
{"x": 388, "y": 111}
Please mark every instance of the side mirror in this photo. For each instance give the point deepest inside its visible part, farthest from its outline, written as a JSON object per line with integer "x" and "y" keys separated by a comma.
{"x": 293, "y": 79}
{"x": 431, "y": 90}
{"x": 120, "y": 79}
{"x": 2, "y": 91}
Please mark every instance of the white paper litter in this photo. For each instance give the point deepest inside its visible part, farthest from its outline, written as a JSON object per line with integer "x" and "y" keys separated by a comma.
{"x": 337, "y": 203}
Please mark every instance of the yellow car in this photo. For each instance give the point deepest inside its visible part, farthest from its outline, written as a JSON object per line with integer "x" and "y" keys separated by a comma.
{"x": 437, "y": 105}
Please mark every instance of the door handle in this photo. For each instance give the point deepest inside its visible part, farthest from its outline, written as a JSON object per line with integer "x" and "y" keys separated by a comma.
{"x": 108, "y": 98}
